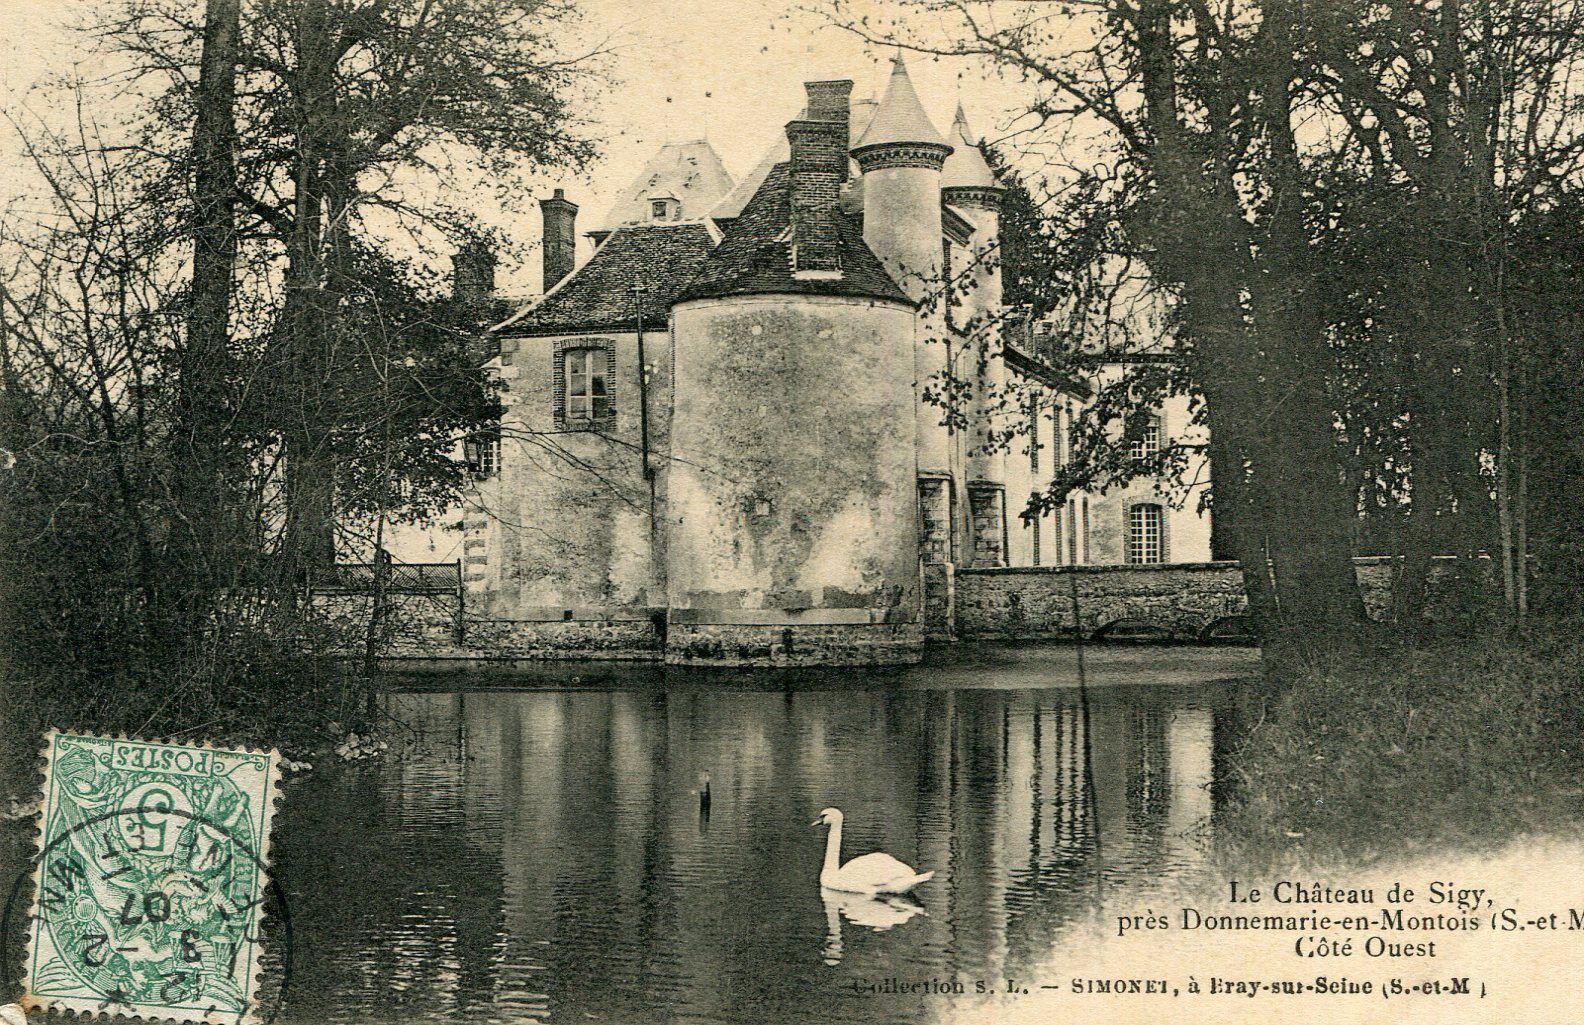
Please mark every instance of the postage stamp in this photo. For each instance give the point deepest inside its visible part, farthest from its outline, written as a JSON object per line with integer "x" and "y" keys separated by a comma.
{"x": 151, "y": 880}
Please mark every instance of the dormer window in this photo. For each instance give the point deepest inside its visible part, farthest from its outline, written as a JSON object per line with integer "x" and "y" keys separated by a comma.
{"x": 665, "y": 209}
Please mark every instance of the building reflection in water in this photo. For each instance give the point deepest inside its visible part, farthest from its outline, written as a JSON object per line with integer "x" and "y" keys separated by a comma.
{"x": 541, "y": 856}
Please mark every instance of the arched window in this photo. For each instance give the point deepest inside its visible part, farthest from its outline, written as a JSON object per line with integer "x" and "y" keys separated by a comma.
{"x": 1149, "y": 443}
{"x": 1146, "y": 539}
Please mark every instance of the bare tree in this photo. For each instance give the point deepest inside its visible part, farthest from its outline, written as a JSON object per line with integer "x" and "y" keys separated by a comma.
{"x": 1233, "y": 150}
{"x": 341, "y": 104}
{"x": 203, "y": 365}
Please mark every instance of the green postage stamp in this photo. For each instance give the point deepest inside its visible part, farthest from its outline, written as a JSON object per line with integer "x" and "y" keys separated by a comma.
{"x": 150, "y": 884}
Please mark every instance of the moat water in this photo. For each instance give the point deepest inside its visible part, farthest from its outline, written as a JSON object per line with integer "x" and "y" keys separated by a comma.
{"x": 538, "y": 853}
{"x": 531, "y": 849}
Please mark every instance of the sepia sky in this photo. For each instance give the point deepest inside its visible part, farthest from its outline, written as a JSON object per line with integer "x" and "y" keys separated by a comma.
{"x": 728, "y": 70}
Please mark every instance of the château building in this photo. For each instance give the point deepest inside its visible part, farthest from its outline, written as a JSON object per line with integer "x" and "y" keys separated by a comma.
{"x": 726, "y": 433}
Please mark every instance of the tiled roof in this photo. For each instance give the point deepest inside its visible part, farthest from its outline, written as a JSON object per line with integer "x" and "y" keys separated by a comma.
{"x": 599, "y": 295}
{"x": 732, "y": 205}
{"x": 860, "y": 113}
{"x": 687, "y": 171}
{"x": 755, "y": 257}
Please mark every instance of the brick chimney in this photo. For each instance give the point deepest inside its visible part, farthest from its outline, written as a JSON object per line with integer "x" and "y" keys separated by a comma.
{"x": 473, "y": 272}
{"x": 819, "y": 167}
{"x": 829, "y": 101}
{"x": 560, "y": 237}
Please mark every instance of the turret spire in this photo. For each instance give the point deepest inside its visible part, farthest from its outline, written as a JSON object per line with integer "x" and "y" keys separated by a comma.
{"x": 966, "y": 167}
{"x": 900, "y": 118}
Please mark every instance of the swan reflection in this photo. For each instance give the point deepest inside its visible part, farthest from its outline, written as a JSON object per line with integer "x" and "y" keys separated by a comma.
{"x": 877, "y": 913}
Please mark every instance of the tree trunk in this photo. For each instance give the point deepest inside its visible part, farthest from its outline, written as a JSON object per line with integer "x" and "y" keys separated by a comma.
{"x": 201, "y": 400}
{"x": 1269, "y": 348}
{"x": 1234, "y": 519}
{"x": 308, "y": 316}
{"x": 1310, "y": 511}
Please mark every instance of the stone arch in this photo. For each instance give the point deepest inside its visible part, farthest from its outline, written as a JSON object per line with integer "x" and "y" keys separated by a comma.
{"x": 1234, "y": 629}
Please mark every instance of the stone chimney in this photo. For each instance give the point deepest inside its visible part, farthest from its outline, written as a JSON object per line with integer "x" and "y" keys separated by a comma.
{"x": 473, "y": 272}
{"x": 560, "y": 237}
{"x": 818, "y": 167}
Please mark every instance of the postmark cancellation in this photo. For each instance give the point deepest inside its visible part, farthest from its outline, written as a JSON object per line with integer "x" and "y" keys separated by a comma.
{"x": 150, "y": 880}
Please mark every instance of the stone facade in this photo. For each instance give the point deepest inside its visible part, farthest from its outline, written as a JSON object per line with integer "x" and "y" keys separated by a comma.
{"x": 1185, "y": 530}
{"x": 723, "y": 437}
{"x": 1093, "y": 526}
{"x": 788, "y": 489}
{"x": 565, "y": 524}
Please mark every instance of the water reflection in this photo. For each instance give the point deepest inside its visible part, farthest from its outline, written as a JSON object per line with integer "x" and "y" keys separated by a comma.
{"x": 541, "y": 856}
{"x": 877, "y": 913}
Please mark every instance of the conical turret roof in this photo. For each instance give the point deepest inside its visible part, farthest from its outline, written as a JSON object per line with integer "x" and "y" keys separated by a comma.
{"x": 966, "y": 167}
{"x": 900, "y": 118}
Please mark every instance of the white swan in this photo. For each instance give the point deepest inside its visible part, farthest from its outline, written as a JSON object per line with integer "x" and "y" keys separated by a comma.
{"x": 877, "y": 873}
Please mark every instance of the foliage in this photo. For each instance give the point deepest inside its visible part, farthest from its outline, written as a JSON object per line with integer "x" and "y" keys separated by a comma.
{"x": 406, "y": 385}
{"x": 1312, "y": 206}
{"x": 358, "y": 123}
{"x": 226, "y": 297}
{"x": 1370, "y": 755}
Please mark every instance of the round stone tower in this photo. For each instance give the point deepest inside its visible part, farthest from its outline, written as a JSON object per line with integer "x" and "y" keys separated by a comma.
{"x": 791, "y": 515}
{"x": 969, "y": 186}
{"x": 901, "y": 154}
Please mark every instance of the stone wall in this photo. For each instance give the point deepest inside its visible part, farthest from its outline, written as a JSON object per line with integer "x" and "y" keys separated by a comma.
{"x": 437, "y": 626}
{"x": 1179, "y": 602}
{"x": 934, "y": 497}
{"x": 1167, "y": 602}
{"x": 741, "y": 644}
{"x": 1033, "y": 603}
{"x": 938, "y": 615}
